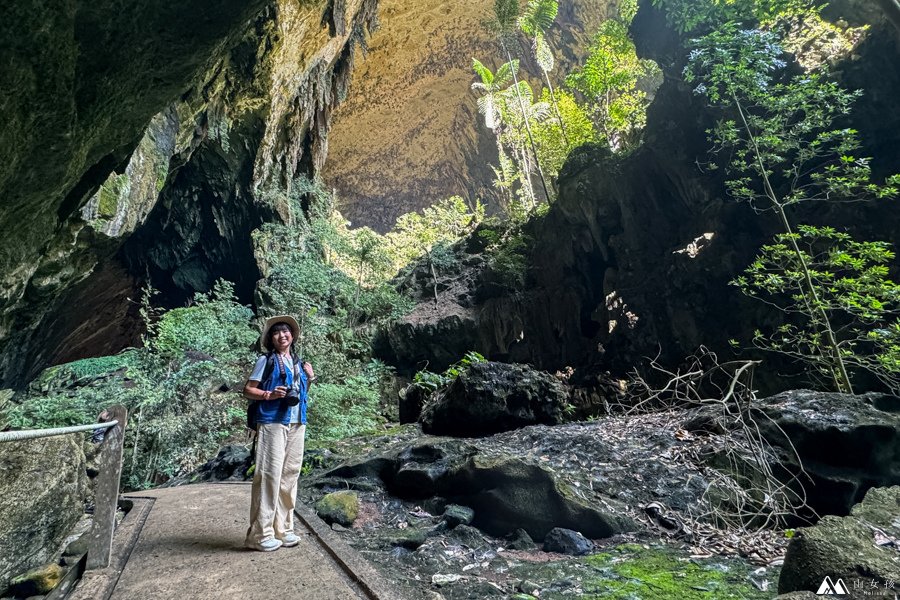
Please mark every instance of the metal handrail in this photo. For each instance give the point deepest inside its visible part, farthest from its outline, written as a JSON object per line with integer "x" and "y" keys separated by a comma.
{"x": 108, "y": 462}
{"x": 30, "y": 434}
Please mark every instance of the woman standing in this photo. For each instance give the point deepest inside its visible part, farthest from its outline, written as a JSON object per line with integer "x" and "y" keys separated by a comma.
{"x": 278, "y": 387}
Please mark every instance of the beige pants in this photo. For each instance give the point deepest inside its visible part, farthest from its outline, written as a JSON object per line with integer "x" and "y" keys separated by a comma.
{"x": 279, "y": 456}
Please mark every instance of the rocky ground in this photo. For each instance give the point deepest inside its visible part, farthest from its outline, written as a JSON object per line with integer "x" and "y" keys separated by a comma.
{"x": 658, "y": 505}
{"x": 631, "y": 471}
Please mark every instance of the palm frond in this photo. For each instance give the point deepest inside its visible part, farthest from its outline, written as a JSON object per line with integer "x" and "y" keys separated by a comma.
{"x": 538, "y": 16}
{"x": 488, "y": 108}
{"x": 506, "y": 12}
{"x": 539, "y": 111}
{"x": 505, "y": 73}
{"x": 482, "y": 71}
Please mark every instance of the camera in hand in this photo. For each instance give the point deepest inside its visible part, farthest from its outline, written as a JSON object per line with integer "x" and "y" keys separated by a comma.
{"x": 292, "y": 398}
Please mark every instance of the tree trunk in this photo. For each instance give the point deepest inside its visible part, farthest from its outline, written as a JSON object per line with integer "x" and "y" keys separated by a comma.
{"x": 562, "y": 126}
{"x": 811, "y": 296}
{"x": 527, "y": 124}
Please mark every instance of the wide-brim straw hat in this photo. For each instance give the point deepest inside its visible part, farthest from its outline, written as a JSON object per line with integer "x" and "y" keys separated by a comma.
{"x": 271, "y": 322}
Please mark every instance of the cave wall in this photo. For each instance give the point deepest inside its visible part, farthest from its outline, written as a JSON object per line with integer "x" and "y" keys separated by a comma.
{"x": 608, "y": 284}
{"x": 154, "y": 151}
{"x": 409, "y": 133}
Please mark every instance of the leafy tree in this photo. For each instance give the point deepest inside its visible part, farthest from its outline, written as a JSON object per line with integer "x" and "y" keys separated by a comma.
{"x": 553, "y": 147}
{"x": 417, "y": 234}
{"x": 490, "y": 86}
{"x": 783, "y": 150}
{"x": 611, "y": 81}
{"x": 506, "y": 15}
{"x": 518, "y": 133}
{"x": 534, "y": 22}
{"x": 369, "y": 254}
{"x": 851, "y": 279}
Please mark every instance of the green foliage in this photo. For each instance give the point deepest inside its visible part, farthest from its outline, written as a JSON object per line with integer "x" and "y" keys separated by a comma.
{"x": 692, "y": 16}
{"x": 554, "y": 144}
{"x": 431, "y": 382}
{"x": 178, "y": 416}
{"x": 854, "y": 291}
{"x": 339, "y": 410}
{"x": 536, "y": 19}
{"x": 783, "y": 149}
{"x": 446, "y": 222}
{"x": 613, "y": 82}
{"x": 509, "y": 261}
{"x": 216, "y": 326}
{"x": 490, "y": 86}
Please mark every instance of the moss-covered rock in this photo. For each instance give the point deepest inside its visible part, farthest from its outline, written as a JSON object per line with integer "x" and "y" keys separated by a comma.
{"x": 458, "y": 515}
{"x": 489, "y": 397}
{"x": 858, "y": 546}
{"x": 37, "y": 581}
{"x": 43, "y": 486}
{"x": 339, "y": 507}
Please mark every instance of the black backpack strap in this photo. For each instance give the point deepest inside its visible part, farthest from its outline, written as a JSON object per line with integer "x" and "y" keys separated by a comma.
{"x": 267, "y": 372}
{"x": 264, "y": 382}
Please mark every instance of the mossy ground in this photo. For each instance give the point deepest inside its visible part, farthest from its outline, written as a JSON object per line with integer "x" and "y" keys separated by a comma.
{"x": 648, "y": 572}
{"x": 633, "y": 571}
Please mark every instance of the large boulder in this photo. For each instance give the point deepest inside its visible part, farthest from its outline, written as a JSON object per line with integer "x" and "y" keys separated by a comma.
{"x": 846, "y": 443}
{"x": 43, "y": 485}
{"x": 862, "y": 546}
{"x": 490, "y": 397}
{"x": 506, "y": 492}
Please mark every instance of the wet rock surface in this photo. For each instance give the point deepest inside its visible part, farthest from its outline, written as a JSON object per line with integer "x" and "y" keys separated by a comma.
{"x": 846, "y": 443}
{"x": 566, "y": 541}
{"x": 861, "y": 547}
{"x": 43, "y": 485}
{"x": 520, "y": 485}
{"x": 489, "y": 397}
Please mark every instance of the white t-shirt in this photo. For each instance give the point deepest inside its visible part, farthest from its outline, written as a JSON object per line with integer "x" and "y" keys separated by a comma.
{"x": 257, "y": 375}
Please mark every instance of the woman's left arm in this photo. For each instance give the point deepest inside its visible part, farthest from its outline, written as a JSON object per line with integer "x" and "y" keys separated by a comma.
{"x": 310, "y": 374}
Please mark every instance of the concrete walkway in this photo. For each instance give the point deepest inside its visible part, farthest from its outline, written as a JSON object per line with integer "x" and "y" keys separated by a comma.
{"x": 191, "y": 546}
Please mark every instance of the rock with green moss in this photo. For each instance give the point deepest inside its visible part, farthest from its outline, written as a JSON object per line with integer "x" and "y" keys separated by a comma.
{"x": 339, "y": 507}
{"x": 663, "y": 573}
{"x": 37, "y": 581}
{"x": 489, "y": 397}
{"x": 858, "y": 546}
{"x": 43, "y": 486}
{"x": 458, "y": 515}
{"x": 409, "y": 538}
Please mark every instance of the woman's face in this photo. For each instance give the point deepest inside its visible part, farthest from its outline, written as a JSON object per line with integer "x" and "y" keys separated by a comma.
{"x": 281, "y": 338}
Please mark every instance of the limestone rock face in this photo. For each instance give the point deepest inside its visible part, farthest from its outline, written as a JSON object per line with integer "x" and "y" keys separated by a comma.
{"x": 409, "y": 133}
{"x": 43, "y": 486}
{"x": 859, "y": 546}
{"x": 149, "y": 139}
{"x": 505, "y": 492}
{"x": 635, "y": 257}
{"x": 846, "y": 443}
{"x": 490, "y": 397}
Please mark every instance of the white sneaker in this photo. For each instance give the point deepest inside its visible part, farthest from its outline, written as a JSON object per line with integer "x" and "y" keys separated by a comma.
{"x": 267, "y": 545}
{"x": 290, "y": 539}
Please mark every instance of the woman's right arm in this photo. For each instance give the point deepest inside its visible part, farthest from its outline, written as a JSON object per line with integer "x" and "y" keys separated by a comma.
{"x": 252, "y": 392}
{"x": 251, "y": 388}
